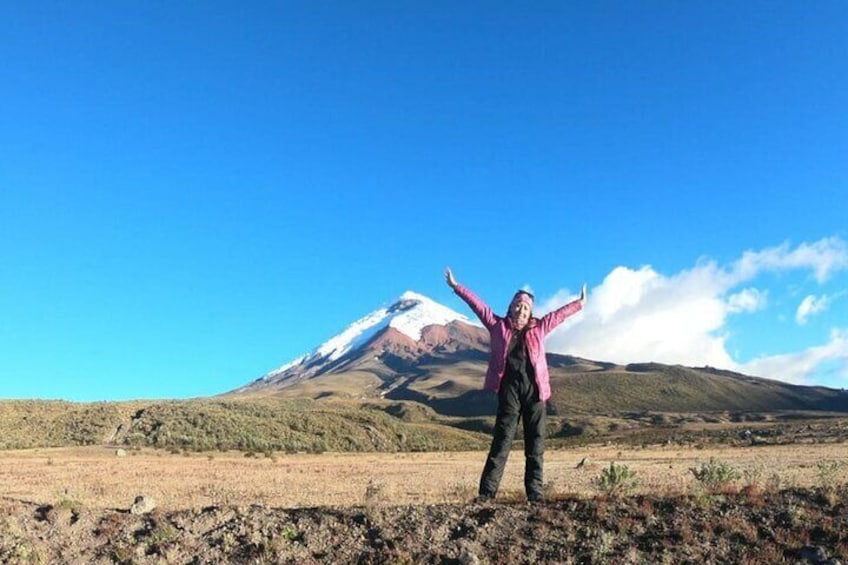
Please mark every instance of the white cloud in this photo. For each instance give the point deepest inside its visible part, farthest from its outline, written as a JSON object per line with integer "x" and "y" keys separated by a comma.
{"x": 638, "y": 315}
{"x": 797, "y": 367}
{"x": 810, "y": 306}
{"x": 748, "y": 300}
{"x": 643, "y": 316}
{"x": 823, "y": 257}
{"x": 624, "y": 289}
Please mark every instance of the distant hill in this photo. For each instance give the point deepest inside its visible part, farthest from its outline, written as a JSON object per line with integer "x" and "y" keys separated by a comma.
{"x": 253, "y": 426}
{"x": 409, "y": 378}
{"x": 422, "y": 351}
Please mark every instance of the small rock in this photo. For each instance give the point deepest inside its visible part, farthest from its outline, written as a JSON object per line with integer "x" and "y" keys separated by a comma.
{"x": 60, "y": 516}
{"x": 120, "y": 453}
{"x": 815, "y": 555}
{"x": 583, "y": 462}
{"x": 142, "y": 505}
{"x": 467, "y": 557}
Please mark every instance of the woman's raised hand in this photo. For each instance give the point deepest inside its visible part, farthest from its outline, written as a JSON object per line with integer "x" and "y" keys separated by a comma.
{"x": 449, "y": 278}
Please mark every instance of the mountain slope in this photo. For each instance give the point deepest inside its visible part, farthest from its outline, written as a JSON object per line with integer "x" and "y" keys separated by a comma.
{"x": 418, "y": 350}
{"x": 385, "y": 343}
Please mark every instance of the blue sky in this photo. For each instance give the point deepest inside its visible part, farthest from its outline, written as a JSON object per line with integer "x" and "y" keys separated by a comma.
{"x": 194, "y": 194}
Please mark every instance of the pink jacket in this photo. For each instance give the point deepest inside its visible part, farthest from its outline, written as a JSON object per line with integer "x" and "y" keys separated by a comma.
{"x": 500, "y": 331}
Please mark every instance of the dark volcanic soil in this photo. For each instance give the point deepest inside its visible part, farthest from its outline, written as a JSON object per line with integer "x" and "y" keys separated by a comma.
{"x": 790, "y": 526}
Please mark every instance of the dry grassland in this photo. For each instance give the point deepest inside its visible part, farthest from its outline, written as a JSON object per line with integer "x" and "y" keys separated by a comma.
{"x": 97, "y": 478}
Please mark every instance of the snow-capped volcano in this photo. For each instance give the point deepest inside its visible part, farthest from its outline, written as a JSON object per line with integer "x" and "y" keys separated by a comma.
{"x": 409, "y": 315}
{"x": 409, "y": 327}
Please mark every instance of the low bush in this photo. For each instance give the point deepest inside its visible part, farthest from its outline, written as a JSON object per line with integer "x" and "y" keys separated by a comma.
{"x": 715, "y": 475}
{"x": 616, "y": 480}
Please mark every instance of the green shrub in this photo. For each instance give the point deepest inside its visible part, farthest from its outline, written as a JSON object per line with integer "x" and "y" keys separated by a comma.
{"x": 715, "y": 475}
{"x": 753, "y": 476}
{"x": 615, "y": 480}
{"x": 291, "y": 534}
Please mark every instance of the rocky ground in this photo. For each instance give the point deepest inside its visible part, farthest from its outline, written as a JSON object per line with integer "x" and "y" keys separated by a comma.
{"x": 786, "y": 526}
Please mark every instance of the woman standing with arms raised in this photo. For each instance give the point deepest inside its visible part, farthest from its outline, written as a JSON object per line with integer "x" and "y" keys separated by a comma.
{"x": 518, "y": 374}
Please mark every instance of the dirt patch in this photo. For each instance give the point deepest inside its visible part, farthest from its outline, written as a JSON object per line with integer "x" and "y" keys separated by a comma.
{"x": 795, "y": 526}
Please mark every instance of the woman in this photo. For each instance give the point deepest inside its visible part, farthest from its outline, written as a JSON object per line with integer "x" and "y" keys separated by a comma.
{"x": 518, "y": 374}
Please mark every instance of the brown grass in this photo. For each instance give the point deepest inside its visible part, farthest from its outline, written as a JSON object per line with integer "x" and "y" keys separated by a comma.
{"x": 96, "y": 478}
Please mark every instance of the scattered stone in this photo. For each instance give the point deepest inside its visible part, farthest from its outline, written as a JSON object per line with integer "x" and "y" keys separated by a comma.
{"x": 120, "y": 453}
{"x": 753, "y": 438}
{"x": 61, "y": 516}
{"x": 142, "y": 505}
{"x": 467, "y": 557}
{"x": 816, "y": 555}
{"x": 583, "y": 462}
{"x": 561, "y": 531}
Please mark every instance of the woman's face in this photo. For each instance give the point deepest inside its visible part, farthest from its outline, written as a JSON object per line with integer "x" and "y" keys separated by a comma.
{"x": 519, "y": 313}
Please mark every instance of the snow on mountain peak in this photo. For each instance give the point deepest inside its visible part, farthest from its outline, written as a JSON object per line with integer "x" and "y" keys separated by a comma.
{"x": 409, "y": 315}
{"x": 420, "y": 312}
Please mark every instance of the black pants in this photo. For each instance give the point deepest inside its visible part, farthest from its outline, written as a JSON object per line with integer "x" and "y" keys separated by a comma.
{"x": 517, "y": 397}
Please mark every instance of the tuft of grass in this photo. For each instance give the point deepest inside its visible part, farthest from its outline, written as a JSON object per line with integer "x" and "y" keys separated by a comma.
{"x": 71, "y": 504}
{"x": 827, "y": 473}
{"x": 291, "y": 534}
{"x": 773, "y": 483}
{"x": 161, "y": 537}
{"x": 123, "y": 553}
{"x": 753, "y": 477}
{"x": 109, "y": 526}
{"x": 462, "y": 492}
{"x": 375, "y": 492}
{"x": 715, "y": 475}
{"x": 615, "y": 480}
{"x": 511, "y": 496}
{"x": 603, "y": 546}
{"x": 549, "y": 491}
